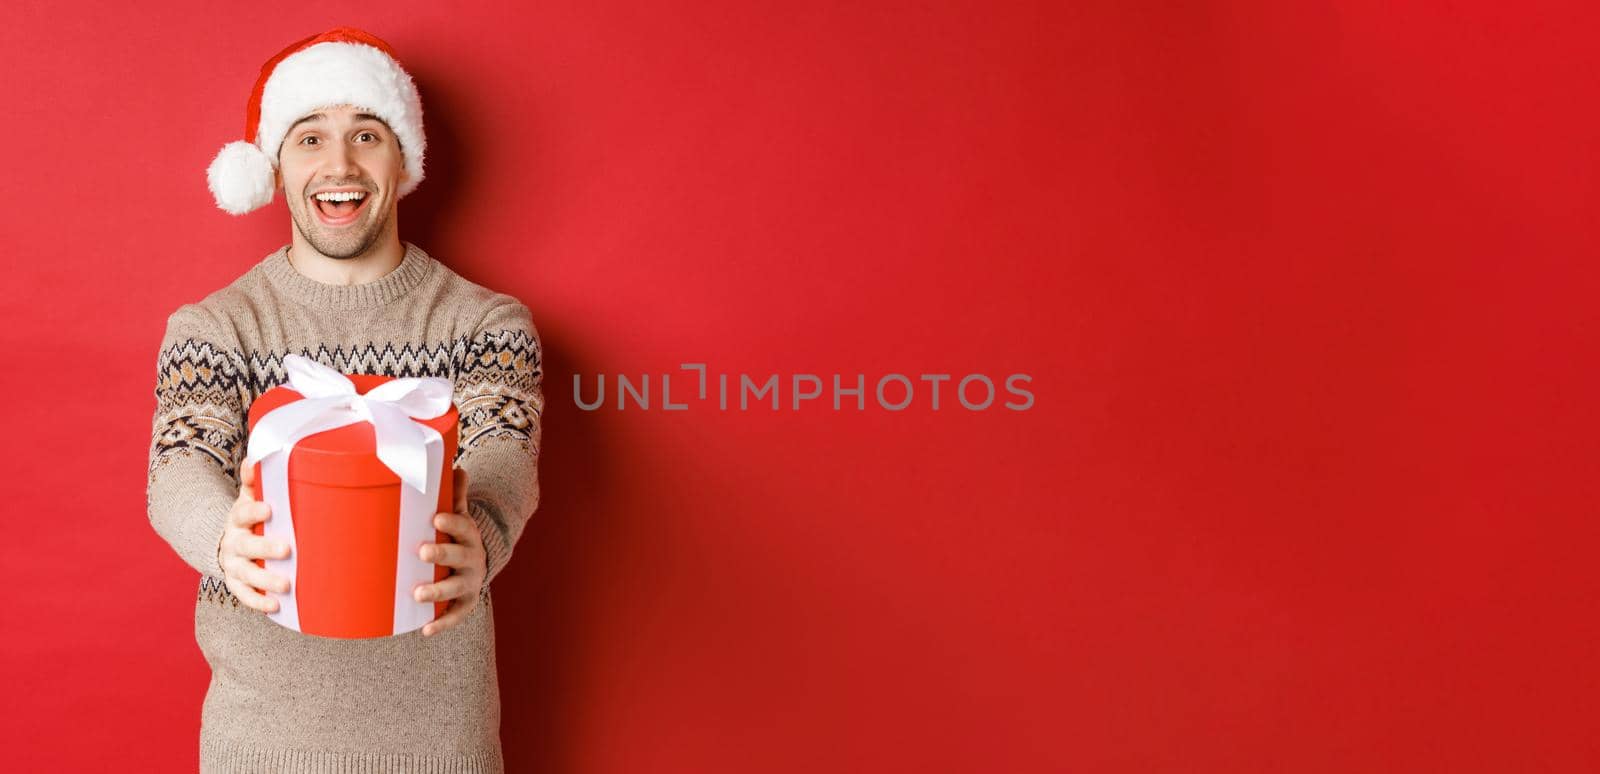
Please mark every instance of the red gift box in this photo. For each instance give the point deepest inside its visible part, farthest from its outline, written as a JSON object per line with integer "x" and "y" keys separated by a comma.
{"x": 352, "y": 569}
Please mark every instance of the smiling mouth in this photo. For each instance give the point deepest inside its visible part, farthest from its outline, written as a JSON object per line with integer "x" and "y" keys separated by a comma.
{"x": 337, "y": 214}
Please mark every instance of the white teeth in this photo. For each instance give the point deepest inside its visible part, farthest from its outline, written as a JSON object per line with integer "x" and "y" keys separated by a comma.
{"x": 341, "y": 196}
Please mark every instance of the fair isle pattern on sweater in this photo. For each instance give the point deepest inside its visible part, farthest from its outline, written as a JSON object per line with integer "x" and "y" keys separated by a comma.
{"x": 496, "y": 377}
{"x": 215, "y": 590}
{"x": 281, "y": 700}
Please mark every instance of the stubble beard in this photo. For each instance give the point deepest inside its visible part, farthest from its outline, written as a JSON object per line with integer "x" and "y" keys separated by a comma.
{"x": 348, "y": 243}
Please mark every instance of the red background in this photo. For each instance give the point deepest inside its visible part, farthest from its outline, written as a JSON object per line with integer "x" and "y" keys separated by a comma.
{"x": 1307, "y": 295}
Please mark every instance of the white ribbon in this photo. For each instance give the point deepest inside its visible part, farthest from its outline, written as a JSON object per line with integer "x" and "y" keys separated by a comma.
{"x": 415, "y": 452}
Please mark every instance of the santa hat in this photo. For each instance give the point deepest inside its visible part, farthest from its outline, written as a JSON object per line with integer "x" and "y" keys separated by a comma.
{"x": 343, "y": 66}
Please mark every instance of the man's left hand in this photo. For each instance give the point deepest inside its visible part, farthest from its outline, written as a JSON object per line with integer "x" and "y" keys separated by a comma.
{"x": 465, "y": 558}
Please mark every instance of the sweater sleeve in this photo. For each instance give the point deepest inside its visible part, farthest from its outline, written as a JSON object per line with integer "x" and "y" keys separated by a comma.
{"x": 499, "y": 396}
{"x": 197, "y": 437}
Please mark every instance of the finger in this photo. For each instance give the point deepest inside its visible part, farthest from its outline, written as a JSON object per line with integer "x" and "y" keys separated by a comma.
{"x": 462, "y": 528}
{"x": 453, "y": 587}
{"x": 458, "y": 612}
{"x": 236, "y": 565}
{"x": 246, "y": 513}
{"x": 247, "y": 482}
{"x": 253, "y": 546}
{"x": 447, "y": 554}
{"x": 260, "y": 578}
{"x": 249, "y": 597}
{"x": 460, "y": 491}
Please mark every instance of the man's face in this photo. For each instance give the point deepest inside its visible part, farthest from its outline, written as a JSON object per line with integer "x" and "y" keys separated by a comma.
{"x": 341, "y": 149}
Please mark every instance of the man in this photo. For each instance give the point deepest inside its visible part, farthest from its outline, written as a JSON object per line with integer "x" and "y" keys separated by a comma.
{"x": 335, "y": 124}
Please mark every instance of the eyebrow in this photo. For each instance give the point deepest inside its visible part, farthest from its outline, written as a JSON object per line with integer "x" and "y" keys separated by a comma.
{"x": 320, "y": 116}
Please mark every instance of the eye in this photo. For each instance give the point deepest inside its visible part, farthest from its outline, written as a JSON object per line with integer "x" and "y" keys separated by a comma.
{"x": 304, "y": 139}
{"x": 373, "y": 135}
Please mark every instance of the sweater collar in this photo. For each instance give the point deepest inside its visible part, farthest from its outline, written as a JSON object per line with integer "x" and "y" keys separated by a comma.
{"x": 413, "y": 269}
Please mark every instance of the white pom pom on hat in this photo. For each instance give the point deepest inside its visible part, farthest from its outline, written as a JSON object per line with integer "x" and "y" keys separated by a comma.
{"x": 343, "y": 66}
{"x": 241, "y": 178}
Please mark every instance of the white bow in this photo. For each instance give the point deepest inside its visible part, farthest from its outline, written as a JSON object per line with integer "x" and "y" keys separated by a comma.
{"x": 415, "y": 452}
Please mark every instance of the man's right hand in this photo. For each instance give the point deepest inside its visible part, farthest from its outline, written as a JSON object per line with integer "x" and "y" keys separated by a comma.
{"x": 240, "y": 546}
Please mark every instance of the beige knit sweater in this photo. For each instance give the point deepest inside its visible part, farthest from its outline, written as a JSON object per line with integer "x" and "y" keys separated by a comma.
{"x": 284, "y": 701}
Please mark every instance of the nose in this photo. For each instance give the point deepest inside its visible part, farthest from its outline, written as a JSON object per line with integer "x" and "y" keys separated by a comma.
{"x": 339, "y": 160}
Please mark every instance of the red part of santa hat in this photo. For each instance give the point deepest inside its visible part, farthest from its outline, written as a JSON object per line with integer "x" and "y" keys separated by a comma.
{"x": 343, "y": 66}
